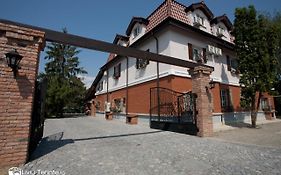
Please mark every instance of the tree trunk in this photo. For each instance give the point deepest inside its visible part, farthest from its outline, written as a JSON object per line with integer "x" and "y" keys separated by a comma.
{"x": 254, "y": 109}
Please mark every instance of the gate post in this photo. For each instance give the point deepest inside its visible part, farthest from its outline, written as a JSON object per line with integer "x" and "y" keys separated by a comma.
{"x": 17, "y": 93}
{"x": 200, "y": 86}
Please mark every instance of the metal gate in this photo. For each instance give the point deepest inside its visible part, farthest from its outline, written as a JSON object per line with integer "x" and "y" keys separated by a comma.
{"x": 38, "y": 115}
{"x": 169, "y": 108}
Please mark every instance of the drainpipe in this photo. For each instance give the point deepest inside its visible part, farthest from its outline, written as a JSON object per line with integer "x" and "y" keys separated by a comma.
{"x": 158, "y": 81}
{"x": 127, "y": 80}
{"x": 107, "y": 95}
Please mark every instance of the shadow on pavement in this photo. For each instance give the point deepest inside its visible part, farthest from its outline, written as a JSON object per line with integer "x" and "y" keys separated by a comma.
{"x": 51, "y": 143}
{"x": 114, "y": 136}
{"x": 183, "y": 128}
{"x": 238, "y": 124}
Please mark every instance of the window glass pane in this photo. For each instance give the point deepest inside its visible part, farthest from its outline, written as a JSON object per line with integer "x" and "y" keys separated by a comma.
{"x": 234, "y": 63}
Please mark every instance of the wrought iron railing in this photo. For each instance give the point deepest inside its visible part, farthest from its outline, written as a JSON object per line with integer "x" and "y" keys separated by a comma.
{"x": 169, "y": 105}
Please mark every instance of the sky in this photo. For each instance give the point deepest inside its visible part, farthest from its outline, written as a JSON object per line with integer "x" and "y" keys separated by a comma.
{"x": 102, "y": 20}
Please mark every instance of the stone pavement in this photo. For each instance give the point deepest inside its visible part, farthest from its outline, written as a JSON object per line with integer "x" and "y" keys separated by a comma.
{"x": 266, "y": 135}
{"x": 94, "y": 146}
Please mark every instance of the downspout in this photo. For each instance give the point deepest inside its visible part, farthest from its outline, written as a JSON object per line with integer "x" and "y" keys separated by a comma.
{"x": 107, "y": 95}
{"x": 127, "y": 82}
{"x": 158, "y": 81}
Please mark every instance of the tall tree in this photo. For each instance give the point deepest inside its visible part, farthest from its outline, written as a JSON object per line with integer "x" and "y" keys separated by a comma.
{"x": 276, "y": 21}
{"x": 65, "y": 90}
{"x": 255, "y": 45}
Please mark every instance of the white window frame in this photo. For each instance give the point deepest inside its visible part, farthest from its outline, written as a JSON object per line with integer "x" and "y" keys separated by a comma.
{"x": 199, "y": 54}
{"x": 220, "y": 30}
{"x": 199, "y": 19}
{"x": 136, "y": 31}
{"x": 232, "y": 64}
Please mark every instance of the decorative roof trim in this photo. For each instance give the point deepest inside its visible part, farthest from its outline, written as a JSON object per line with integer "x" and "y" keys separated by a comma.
{"x": 224, "y": 19}
{"x": 134, "y": 21}
{"x": 201, "y": 6}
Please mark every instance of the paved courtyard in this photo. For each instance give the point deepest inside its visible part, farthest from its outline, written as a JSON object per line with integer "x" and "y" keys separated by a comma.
{"x": 94, "y": 146}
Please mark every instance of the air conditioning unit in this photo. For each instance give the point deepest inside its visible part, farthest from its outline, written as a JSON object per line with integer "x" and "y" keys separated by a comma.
{"x": 211, "y": 49}
{"x": 218, "y": 51}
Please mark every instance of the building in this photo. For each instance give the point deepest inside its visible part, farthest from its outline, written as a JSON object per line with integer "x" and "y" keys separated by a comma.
{"x": 190, "y": 33}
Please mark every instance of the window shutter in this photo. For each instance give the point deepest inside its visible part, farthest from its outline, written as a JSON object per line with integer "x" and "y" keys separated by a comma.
{"x": 119, "y": 70}
{"x": 137, "y": 63}
{"x": 114, "y": 72}
{"x": 190, "y": 51}
{"x": 204, "y": 55}
{"x": 228, "y": 63}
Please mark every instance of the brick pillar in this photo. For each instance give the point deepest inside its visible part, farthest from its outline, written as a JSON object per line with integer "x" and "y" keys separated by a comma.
{"x": 16, "y": 94}
{"x": 200, "y": 86}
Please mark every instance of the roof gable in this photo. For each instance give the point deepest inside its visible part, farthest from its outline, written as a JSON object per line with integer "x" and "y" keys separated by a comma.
{"x": 224, "y": 19}
{"x": 201, "y": 6}
{"x": 133, "y": 22}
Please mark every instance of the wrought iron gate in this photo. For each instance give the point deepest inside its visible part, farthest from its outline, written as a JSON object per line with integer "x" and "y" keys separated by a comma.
{"x": 171, "y": 107}
{"x": 38, "y": 115}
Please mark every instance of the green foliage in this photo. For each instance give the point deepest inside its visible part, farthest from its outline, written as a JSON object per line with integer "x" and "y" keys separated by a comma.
{"x": 255, "y": 44}
{"x": 65, "y": 92}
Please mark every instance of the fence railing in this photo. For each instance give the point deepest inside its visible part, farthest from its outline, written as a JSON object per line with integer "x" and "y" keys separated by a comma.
{"x": 168, "y": 105}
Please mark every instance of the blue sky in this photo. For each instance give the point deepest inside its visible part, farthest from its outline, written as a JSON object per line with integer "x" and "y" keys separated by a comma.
{"x": 103, "y": 19}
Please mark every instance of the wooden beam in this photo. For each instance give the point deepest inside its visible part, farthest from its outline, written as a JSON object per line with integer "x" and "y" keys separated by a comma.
{"x": 79, "y": 41}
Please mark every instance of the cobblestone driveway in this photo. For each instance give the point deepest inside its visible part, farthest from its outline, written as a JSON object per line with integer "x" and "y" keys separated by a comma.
{"x": 95, "y": 146}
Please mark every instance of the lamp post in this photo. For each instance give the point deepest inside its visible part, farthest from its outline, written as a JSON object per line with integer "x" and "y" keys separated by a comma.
{"x": 13, "y": 59}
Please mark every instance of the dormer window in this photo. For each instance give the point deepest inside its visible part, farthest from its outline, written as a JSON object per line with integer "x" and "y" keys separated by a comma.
{"x": 198, "y": 21}
{"x": 136, "y": 31}
{"x": 220, "y": 31}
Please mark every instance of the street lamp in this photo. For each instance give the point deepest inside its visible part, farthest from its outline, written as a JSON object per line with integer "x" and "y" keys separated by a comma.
{"x": 13, "y": 59}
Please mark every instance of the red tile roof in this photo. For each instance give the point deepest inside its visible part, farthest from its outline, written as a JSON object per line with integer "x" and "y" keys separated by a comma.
{"x": 175, "y": 10}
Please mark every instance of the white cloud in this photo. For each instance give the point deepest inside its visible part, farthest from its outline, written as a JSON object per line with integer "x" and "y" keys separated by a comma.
{"x": 87, "y": 80}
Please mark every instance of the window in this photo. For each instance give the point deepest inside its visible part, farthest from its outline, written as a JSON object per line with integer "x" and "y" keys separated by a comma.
{"x": 232, "y": 65}
{"x": 220, "y": 31}
{"x": 117, "y": 71}
{"x": 100, "y": 86}
{"x": 118, "y": 105}
{"x": 196, "y": 53}
{"x": 198, "y": 20}
{"x": 264, "y": 104}
{"x": 136, "y": 31}
{"x": 226, "y": 100}
{"x": 141, "y": 63}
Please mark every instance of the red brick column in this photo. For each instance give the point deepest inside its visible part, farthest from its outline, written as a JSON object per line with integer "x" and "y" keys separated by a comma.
{"x": 200, "y": 86}
{"x": 16, "y": 94}
{"x": 93, "y": 108}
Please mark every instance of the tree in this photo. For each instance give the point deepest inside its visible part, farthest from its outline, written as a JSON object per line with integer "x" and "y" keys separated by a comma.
{"x": 65, "y": 90}
{"x": 276, "y": 21}
{"x": 255, "y": 45}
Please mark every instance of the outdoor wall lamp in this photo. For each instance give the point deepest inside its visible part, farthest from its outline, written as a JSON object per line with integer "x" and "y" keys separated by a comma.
{"x": 212, "y": 84}
{"x": 13, "y": 59}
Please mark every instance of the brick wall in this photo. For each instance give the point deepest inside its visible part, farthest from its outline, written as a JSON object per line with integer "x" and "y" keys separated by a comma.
{"x": 139, "y": 95}
{"x": 16, "y": 94}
